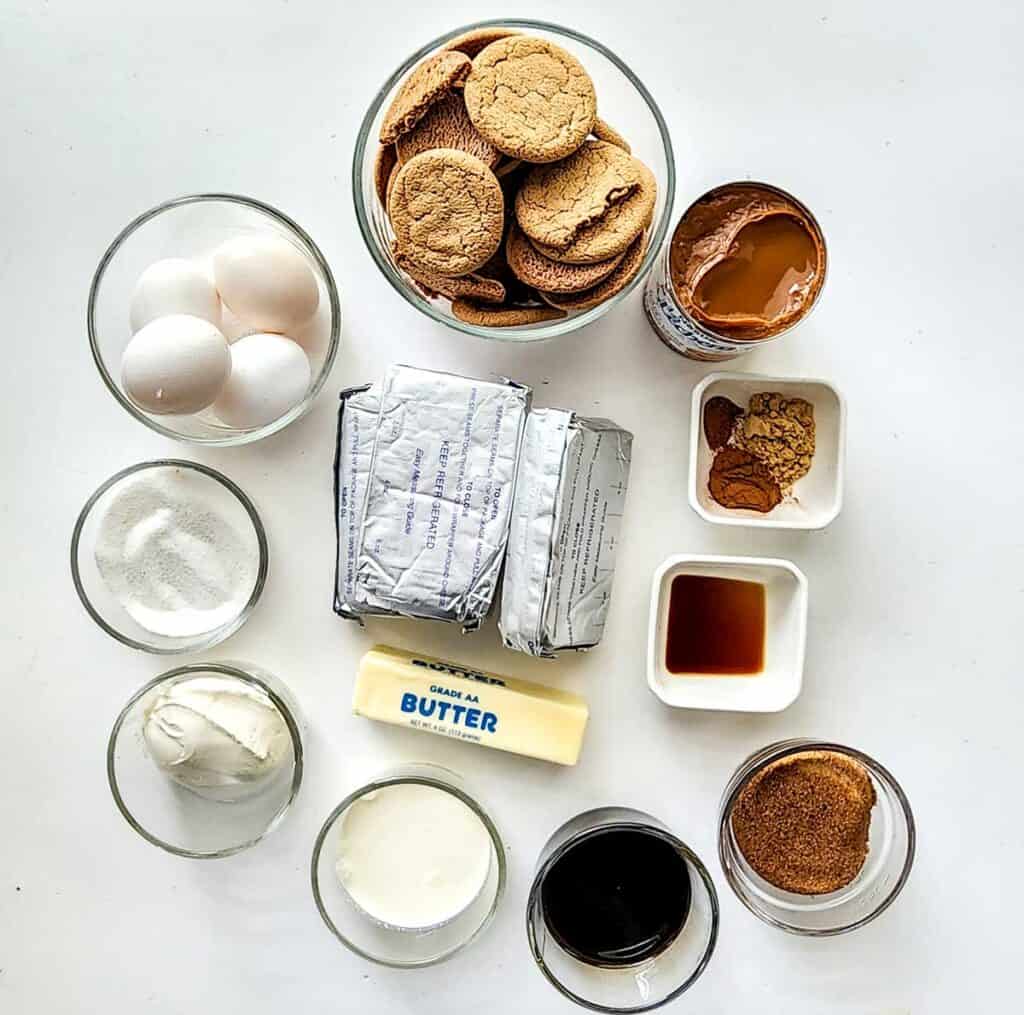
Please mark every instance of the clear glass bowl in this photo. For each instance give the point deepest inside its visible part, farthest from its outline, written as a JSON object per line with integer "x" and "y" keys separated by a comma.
{"x": 622, "y": 100}
{"x": 648, "y": 984}
{"x": 176, "y": 819}
{"x": 388, "y": 946}
{"x": 106, "y": 609}
{"x": 891, "y": 845}
{"x": 193, "y": 227}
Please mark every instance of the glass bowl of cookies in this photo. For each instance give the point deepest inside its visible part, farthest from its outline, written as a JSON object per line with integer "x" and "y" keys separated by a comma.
{"x": 513, "y": 179}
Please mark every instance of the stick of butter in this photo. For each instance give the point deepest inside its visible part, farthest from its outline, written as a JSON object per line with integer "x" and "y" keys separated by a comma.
{"x": 455, "y": 701}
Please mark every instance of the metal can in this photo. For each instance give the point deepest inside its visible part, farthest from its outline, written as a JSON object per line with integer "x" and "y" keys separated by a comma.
{"x": 677, "y": 327}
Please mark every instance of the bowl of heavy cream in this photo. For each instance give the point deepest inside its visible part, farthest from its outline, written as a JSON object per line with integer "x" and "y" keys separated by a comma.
{"x": 206, "y": 759}
{"x": 408, "y": 869}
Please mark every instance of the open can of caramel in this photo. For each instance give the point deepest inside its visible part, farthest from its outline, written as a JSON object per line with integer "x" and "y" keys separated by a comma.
{"x": 746, "y": 263}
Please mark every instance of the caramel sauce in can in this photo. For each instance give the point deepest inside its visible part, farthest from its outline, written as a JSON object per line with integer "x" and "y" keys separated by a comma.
{"x": 746, "y": 263}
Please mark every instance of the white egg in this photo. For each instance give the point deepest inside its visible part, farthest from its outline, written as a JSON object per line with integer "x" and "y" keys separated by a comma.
{"x": 175, "y": 364}
{"x": 232, "y": 328}
{"x": 174, "y": 286}
{"x": 269, "y": 375}
{"x": 266, "y": 282}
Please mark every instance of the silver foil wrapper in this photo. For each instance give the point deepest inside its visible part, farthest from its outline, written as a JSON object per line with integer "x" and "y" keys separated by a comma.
{"x": 566, "y": 517}
{"x": 438, "y": 496}
{"x": 357, "y": 430}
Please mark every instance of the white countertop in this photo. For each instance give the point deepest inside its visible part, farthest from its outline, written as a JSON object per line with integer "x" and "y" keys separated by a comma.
{"x": 901, "y": 126}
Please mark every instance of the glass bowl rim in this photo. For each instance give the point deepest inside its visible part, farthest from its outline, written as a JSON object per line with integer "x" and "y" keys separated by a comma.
{"x": 420, "y": 778}
{"x": 222, "y": 669}
{"x": 200, "y": 642}
{"x": 784, "y": 749}
{"x": 667, "y": 836}
{"x": 242, "y": 436}
{"x": 553, "y": 329}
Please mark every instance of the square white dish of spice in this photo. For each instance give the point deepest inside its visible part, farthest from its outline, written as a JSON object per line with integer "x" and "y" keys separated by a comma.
{"x": 767, "y": 451}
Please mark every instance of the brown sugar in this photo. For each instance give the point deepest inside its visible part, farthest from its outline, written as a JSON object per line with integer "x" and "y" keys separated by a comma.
{"x": 802, "y": 822}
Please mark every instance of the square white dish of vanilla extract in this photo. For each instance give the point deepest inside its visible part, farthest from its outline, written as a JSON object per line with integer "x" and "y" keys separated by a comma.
{"x": 817, "y": 498}
{"x": 776, "y": 684}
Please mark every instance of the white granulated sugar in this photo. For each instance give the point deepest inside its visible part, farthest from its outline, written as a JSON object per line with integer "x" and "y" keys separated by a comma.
{"x": 177, "y": 551}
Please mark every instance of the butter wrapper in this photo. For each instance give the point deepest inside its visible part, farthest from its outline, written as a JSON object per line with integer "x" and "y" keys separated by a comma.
{"x": 439, "y": 495}
{"x": 357, "y": 430}
{"x": 564, "y": 533}
{"x": 474, "y": 706}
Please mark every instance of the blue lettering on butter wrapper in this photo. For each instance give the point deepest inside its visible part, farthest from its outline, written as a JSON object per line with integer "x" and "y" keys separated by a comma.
{"x": 446, "y": 711}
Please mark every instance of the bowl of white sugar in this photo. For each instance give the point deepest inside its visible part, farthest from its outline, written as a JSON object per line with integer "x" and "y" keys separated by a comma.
{"x": 169, "y": 556}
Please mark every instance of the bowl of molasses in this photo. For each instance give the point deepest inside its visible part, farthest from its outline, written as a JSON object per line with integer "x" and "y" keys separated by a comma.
{"x": 622, "y": 915}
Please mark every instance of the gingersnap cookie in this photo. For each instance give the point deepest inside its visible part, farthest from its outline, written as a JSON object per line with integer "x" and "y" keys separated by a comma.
{"x": 558, "y": 200}
{"x": 517, "y": 292}
{"x": 383, "y": 163}
{"x": 507, "y": 166}
{"x": 390, "y": 185}
{"x": 604, "y": 131}
{"x": 503, "y": 317}
{"x": 615, "y": 230}
{"x": 530, "y": 98}
{"x": 533, "y": 268}
{"x": 446, "y": 124}
{"x": 427, "y": 83}
{"x": 615, "y": 282}
{"x": 447, "y": 211}
{"x": 472, "y": 42}
{"x": 425, "y": 292}
{"x": 472, "y": 286}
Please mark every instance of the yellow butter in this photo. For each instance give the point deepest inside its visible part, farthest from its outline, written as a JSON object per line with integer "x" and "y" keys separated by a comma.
{"x": 456, "y": 701}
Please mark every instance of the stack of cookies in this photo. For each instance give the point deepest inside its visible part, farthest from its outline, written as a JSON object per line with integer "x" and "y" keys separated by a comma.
{"x": 507, "y": 194}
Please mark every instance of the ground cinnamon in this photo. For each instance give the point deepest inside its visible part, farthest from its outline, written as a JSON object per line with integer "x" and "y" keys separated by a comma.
{"x": 739, "y": 480}
{"x": 802, "y": 822}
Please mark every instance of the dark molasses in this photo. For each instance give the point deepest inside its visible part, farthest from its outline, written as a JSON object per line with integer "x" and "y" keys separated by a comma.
{"x": 617, "y": 897}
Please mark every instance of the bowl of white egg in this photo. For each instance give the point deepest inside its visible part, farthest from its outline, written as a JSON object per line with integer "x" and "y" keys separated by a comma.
{"x": 214, "y": 319}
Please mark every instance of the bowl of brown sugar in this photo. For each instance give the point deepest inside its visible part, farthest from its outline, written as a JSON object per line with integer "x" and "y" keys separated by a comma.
{"x": 815, "y": 838}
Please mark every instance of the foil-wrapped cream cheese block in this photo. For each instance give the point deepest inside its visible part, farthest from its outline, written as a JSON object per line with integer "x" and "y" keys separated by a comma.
{"x": 438, "y": 495}
{"x": 357, "y": 430}
{"x": 564, "y": 533}
{"x": 428, "y": 694}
